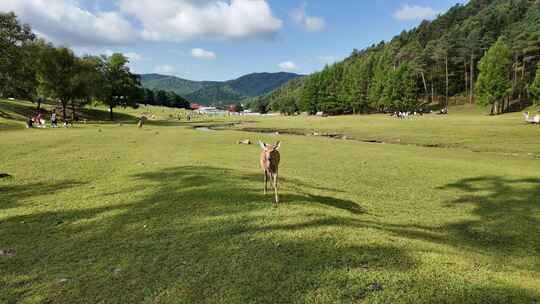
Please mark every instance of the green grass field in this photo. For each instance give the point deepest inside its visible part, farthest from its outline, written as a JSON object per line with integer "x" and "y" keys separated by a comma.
{"x": 447, "y": 211}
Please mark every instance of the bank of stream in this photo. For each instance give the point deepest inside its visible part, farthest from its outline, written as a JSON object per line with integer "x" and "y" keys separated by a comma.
{"x": 234, "y": 126}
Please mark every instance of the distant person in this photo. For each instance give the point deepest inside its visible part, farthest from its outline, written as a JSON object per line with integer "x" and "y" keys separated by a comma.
{"x": 39, "y": 120}
{"x": 54, "y": 122}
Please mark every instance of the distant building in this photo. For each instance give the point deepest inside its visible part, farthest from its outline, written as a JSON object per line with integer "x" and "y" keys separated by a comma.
{"x": 211, "y": 111}
{"x": 195, "y": 106}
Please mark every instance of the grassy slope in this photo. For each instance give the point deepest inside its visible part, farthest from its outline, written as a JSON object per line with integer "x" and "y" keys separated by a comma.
{"x": 173, "y": 215}
{"x": 14, "y": 113}
{"x": 467, "y": 127}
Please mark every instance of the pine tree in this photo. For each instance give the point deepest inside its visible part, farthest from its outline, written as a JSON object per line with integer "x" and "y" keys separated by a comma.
{"x": 309, "y": 99}
{"x": 493, "y": 84}
{"x": 534, "y": 88}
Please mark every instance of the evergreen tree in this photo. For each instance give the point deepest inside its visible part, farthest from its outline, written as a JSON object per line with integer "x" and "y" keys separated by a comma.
{"x": 400, "y": 92}
{"x": 534, "y": 88}
{"x": 309, "y": 99}
{"x": 493, "y": 84}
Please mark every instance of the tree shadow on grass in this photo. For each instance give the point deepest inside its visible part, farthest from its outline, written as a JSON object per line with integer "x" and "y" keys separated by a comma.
{"x": 506, "y": 222}
{"x": 104, "y": 116}
{"x": 507, "y": 216}
{"x": 508, "y": 212}
{"x": 178, "y": 241}
{"x": 12, "y": 196}
{"x": 207, "y": 235}
{"x": 21, "y": 111}
{"x": 215, "y": 180}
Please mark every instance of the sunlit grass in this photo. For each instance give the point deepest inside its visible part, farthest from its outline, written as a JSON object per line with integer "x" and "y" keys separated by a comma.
{"x": 167, "y": 214}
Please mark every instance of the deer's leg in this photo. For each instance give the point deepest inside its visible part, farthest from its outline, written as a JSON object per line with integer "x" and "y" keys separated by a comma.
{"x": 275, "y": 184}
{"x": 265, "y": 181}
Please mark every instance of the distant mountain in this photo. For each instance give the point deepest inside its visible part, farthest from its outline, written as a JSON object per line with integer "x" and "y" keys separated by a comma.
{"x": 215, "y": 95}
{"x": 257, "y": 84}
{"x": 215, "y": 92}
{"x": 171, "y": 83}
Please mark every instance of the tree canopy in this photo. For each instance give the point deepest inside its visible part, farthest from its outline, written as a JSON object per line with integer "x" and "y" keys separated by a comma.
{"x": 493, "y": 83}
{"x": 429, "y": 64}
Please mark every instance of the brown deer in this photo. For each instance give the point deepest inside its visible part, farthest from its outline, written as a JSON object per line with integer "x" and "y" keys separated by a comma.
{"x": 270, "y": 158}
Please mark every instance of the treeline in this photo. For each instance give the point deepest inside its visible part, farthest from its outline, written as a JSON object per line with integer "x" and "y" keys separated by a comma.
{"x": 164, "y": 98}
{"x": 34, "y": 69}
{"x": 430, "y": 64}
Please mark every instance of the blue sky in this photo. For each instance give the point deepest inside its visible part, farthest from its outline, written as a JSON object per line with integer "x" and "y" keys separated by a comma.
{"x": 223, "y": 39}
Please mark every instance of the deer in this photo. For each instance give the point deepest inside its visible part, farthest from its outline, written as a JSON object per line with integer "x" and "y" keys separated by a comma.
{"x": 270, "y": 158}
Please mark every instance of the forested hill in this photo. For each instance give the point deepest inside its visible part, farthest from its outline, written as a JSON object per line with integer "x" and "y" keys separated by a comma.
{"x": 173, "y": 84}
{"x": 213, "y": 92}
{"x": 428, "y": 64}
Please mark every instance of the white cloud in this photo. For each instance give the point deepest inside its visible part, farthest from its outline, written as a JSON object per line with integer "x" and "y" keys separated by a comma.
{"x": 202, "y": 54}
{"x": 64, "y": 21}
{"x": 412, "y": 12}
{"x": 132, "y": 56}
{"x": 315, "y": 24}
{"x": 310, "y": 23}
{"x": 164, "y": 69}
{"x": 288, "y": 66}
{"x": 179, "y": 20}
{"x": 68, "y": 22}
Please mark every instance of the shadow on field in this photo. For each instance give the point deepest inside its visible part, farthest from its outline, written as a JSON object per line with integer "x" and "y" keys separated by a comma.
{"x": 16, "y": 108}
{"x": 507, "y": 222}
{"x": 103, "y": 116}
{"x": 207, "y": 235}
{"x": 12, "y": 195}
{"x": 508, "y": 212}
{"x": 215, "y": 181}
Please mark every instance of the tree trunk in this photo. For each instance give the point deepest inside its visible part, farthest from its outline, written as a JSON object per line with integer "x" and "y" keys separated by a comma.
{"x": 432, "y": 92}
{"x": 492, "y": 109}
{"x": 466, "y": 79}
{"x": 72, "y": 111}
{"x": 424, "y": 81}
{"x": 64, "y": 106}
{"x": 38, "y": 104}
{"x": 514, "y": 80}
{"x": 111, "y": 112}
{"x": 523, "y": 80}
{"x": 446, "y": 63}
{"x": 471, "y": 92}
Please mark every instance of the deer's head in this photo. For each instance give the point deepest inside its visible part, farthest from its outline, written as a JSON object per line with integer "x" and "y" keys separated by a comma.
{"x": 270, "y": 151}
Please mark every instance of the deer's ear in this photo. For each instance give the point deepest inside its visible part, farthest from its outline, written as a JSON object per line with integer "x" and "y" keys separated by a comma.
{"x": 263, "y": 145}
{"x": 277, "y": 145}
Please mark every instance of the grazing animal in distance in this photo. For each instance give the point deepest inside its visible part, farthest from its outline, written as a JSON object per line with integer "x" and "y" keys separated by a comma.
{"x": 142, "y": 120}
{"x": 270, "y": 158}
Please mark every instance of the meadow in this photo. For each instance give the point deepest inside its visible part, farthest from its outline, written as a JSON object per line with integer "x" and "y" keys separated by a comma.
{"x": 438, "y": 209}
